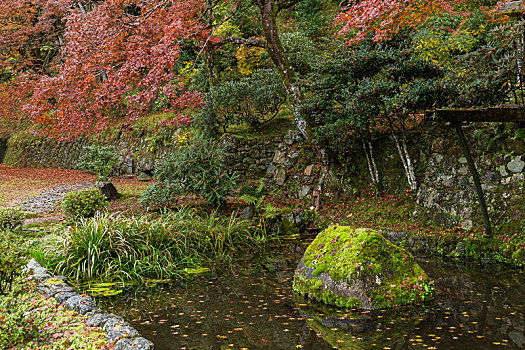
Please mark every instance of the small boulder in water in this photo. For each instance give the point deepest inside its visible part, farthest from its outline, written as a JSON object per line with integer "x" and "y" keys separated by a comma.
{"x": 359, "y": 268}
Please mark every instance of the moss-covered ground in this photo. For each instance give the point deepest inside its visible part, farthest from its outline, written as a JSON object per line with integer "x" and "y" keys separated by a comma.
{"x": 29, "y": 320}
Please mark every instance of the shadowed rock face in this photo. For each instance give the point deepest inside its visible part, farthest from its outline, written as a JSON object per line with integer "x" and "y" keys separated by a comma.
{"x": 3, "y": 148}
{"x": 359, "y": 268}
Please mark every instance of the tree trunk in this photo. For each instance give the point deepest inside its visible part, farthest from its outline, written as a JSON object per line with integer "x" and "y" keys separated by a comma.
{"x": 410, "y": 166}
{"x": 374, "y": 167}
{"x": 404, "y": 161}
{"x": 369, "y": 154}
{"x": 211, "y": 68}
{"x": 269, "y": 10}
{"x": 368, "y": 161}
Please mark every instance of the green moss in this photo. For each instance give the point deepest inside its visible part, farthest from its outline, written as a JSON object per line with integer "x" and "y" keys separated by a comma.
{"x": 289, "y": 227}
{"x": 349, "y": 255}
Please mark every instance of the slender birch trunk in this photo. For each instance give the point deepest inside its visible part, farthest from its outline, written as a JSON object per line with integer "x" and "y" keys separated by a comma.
{"x": 405, "y": 160}
{"x": 374, "y": 167}
{"x": 368, "y": 161}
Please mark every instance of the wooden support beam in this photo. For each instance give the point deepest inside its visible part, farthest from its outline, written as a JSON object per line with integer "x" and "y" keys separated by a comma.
{"x": 475, "y": 177}
{"x": 489, "y": 115}
{"x": 512, "y": 7}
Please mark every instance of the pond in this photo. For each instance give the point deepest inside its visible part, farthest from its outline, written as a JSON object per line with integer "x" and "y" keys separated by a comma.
{"x": 253, "y": 307}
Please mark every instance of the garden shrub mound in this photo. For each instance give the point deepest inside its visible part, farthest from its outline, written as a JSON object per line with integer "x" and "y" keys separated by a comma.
{"x": 359, "y": 268}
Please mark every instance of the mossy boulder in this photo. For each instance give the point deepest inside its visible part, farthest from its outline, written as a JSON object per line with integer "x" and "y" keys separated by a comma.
{"x": 359, "y": 268}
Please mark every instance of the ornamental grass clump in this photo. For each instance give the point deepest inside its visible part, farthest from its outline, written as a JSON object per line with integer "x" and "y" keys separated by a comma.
{"x": 84, "y": 203}
{"x": 112, "y": 247}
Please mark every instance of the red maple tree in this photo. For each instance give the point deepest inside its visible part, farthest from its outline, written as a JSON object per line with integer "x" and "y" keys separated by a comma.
{"x": 115, "y": 59}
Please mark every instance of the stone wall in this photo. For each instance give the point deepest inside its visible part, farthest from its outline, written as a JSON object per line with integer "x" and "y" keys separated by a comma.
{"x": 249, "y": 157}
{"x": 446, "y": 193}
{"x": 136, "y": 154}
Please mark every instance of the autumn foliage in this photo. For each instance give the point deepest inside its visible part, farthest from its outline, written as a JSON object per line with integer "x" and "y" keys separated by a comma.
{"x": 380, "y": 19}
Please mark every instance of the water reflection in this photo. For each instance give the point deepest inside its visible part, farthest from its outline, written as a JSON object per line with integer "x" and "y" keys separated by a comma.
{"x": 254, "y": 308}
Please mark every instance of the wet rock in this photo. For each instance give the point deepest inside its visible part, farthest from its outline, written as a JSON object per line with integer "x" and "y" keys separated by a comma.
{"x": 31, "y": 266}
{"x": 116, "y": 330}
{"x": 53, "y": 286}
{"x": 112, "y": 322}
{"x": 81, "y": 304}
{"x": 61, "y": 297}
{"x": 100, "y": 319}
{"x": 134, "y": 344}
{"x": 40, "y": 274}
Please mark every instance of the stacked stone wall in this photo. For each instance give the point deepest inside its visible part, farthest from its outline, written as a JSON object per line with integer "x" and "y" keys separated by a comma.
{"x": 445, "y": 195}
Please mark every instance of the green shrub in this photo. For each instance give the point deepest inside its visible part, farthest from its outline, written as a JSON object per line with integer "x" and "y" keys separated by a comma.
{"x": 11, "y": 218}
{"x": 113, "y": 247}
{"x": 84, "y": 203}
{"x": 254, "y": 99}
{"x": 198, "y": 168}
{"x": 101, "y": 161}
{"x": 13, "y": 255}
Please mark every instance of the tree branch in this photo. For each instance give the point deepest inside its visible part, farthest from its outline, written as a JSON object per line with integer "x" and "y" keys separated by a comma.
{"x": 241, "y": 41}
{"x": 285, "y": 4}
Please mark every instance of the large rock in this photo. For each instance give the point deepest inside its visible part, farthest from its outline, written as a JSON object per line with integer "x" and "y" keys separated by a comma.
{"x": 359, "y": 268}
{"x": 108, "y": 190}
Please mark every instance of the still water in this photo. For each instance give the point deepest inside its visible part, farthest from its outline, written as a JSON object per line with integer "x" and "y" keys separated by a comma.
{"x": 253, "y": 307}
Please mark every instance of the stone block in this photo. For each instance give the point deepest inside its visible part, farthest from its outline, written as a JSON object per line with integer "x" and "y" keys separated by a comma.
{"x": 516, "y": 165}
{"x": 134, "y": 344}
{"x": 280, "y": 177}
{"x": 81, "y": 304}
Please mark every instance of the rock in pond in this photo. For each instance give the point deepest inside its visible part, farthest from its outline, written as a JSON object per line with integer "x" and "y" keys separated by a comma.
{"x": 359, "y": 268}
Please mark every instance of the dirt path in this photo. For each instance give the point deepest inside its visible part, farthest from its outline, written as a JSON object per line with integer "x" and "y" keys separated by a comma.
{"x": 18, "y": 185}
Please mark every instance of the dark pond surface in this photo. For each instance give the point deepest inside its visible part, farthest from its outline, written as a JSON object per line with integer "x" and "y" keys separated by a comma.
{"x": 254, "y": 308}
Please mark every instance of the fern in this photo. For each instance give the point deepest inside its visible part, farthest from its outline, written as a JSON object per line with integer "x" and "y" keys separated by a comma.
{"x": 270, "y": 211}
{"x": 249, "y": 199}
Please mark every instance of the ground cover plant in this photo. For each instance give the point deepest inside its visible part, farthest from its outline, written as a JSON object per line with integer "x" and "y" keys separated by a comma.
{"x": 14, "y": 252}
{"x": 32, "y": 321}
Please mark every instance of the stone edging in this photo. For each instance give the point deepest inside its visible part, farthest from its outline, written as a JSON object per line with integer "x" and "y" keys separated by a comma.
{"x": 118, "y": 332}
{"x": 455, "y": 247}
